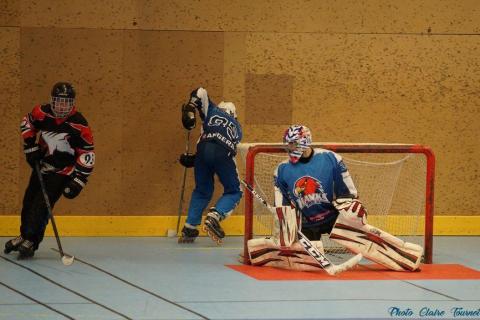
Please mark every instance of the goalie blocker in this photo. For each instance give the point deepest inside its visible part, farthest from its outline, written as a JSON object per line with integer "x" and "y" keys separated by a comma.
{"x": 352, "y": 231}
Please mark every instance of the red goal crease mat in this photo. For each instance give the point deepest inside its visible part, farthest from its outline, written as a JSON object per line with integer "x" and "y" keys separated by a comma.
{"x": 364, "y": 272}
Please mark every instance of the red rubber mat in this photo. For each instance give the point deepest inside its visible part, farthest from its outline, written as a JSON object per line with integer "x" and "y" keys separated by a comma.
{"x": 364, "y": 272}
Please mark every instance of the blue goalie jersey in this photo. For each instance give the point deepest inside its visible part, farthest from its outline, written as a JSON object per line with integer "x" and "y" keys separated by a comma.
{"x": 312, "y": 186}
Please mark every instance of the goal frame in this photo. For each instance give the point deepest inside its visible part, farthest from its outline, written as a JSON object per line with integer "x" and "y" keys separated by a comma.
{"x": 255, "y": 149}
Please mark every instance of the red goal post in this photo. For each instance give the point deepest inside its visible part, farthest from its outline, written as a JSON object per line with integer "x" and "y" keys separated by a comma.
{"x": 251, "y": 152}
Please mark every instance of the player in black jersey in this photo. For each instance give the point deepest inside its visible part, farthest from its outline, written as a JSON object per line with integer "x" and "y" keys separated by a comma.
{"x": 58, "y": 137}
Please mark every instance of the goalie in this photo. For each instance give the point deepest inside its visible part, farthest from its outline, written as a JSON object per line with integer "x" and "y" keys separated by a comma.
{"x": 318, "y": 184}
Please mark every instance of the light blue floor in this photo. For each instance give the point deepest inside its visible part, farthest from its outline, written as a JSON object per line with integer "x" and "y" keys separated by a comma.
{"x": 156, "y": 278}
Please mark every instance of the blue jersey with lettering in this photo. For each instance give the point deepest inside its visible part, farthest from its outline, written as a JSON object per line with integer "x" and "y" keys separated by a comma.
{"x": 218, "y": 125}
{"x": 216, "y": 148}
{"x": 312, "y": 186}
{"x": 222, "y": 128}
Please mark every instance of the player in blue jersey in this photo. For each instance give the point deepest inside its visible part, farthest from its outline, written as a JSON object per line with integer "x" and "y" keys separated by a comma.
{"x": 306, "y": 185}
{"x": 216, "y": 149}
{"x": 311, "y": 180}
{"x": 317, "y": 183}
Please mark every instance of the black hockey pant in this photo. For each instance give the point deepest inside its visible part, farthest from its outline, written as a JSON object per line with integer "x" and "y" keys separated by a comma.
{"x": 315, "y": 233}
{"x": 34, "y": 211}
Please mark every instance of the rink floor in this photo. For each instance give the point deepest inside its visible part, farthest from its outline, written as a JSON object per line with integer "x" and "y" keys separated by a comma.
{"x": 156, "y": 278}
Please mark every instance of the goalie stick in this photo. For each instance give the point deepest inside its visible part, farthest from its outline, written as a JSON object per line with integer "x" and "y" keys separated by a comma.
{"x": 321, "y": 259}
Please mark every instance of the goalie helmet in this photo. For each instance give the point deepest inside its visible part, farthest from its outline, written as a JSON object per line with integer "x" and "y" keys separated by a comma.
{"x": 63, "y": 99}
{"x": 229, "y": 108}
{"x": 297, "y": 139}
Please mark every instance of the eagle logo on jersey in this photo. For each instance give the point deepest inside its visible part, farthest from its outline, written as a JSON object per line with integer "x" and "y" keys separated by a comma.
{"x": 57, "y": 142}
{"x": 309, "y": 191}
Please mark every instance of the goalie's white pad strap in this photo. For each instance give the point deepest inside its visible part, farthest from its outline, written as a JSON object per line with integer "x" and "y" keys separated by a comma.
{"x": 265, "y": 252}
{"x": 375, "y": 244}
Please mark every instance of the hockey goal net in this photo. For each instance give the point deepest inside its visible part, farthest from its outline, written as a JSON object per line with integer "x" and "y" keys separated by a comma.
{"x": 394, "y": 181}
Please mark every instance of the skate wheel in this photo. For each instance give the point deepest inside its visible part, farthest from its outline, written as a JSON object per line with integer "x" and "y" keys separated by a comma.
{"x": 212, "y": 236}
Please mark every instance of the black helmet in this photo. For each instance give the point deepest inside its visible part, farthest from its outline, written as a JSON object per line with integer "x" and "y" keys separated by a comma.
{"x": 63, "y": 90}
{"x": 63, "y": 99}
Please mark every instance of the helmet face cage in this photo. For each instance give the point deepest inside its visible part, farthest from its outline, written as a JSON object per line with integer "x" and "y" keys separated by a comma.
{"x": 61, "y": 107}
{"x": 63, "y": 99}
{"x": 297, "y": 139}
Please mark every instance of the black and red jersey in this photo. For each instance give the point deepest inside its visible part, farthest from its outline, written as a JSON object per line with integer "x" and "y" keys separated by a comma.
{"x": 67, "y": 143}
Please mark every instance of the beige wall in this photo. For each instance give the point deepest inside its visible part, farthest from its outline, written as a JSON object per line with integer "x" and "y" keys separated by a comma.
{"x": 371, "y": 71}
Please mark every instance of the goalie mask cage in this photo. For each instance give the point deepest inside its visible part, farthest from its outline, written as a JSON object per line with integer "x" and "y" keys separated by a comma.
{"x": 394, "y": 181}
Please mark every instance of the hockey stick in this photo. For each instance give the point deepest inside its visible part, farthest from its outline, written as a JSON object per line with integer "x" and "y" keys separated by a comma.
{"x": 66, "y": 260}
{"x": 182, "y": 192}
{"x": 321, "y": 259}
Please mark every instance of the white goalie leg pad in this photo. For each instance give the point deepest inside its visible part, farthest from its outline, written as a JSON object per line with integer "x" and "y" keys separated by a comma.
{"x": 304, "y": 261}
{"x": 266, "y": 252}
{"x": 375, "y": 244}
{"x": 285, "y": 226}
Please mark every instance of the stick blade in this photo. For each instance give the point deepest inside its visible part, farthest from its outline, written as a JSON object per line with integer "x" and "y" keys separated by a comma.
{"x": 171, "y": 233}
{"x": 347, "y": 265}
{"x": 67, "y": 260}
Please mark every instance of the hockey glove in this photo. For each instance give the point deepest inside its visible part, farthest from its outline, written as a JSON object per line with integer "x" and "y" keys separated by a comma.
{"x": 188, "y": 116}
{"x": 33, "y": 154}
{"x": 351, "y": 207}
{"x": 187, "y": 160}
{"x": 73, "y": 188}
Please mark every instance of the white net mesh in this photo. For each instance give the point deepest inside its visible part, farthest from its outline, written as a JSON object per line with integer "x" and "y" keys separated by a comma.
{"x": 391, "y": 186}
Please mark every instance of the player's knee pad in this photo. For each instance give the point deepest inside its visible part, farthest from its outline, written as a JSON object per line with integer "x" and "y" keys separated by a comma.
{"x": 235, "y": 196}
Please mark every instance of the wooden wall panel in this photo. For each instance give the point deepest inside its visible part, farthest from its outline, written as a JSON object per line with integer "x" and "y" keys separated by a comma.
{"x": 383, "y": 88}
{"x": 130, "y": 86}
{"x": 330, "y": 16}
{"x": 9, "y": 13}
{"x": 10, "y": 120}
{"x": 92, "y": 61}
{"x": 161, "y": 69}
{"x": 371, "y": 71}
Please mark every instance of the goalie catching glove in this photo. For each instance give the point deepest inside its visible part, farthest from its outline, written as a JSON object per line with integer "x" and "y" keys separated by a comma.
{"x": 353, "y": 208}
{"x": 187, "y": 160}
